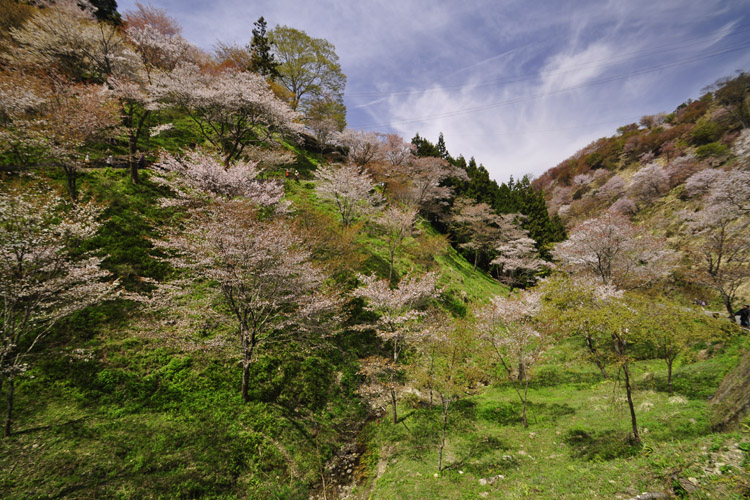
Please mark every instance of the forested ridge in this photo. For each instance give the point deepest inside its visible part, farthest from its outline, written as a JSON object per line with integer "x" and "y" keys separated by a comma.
{"x": 212, "y": 288}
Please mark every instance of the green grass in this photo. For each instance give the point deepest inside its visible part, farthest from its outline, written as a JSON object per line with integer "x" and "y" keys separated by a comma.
{"x": 136, "y": 416}
{"x": 578, "y": 443}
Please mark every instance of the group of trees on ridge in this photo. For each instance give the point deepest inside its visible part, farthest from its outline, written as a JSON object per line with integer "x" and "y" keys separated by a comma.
{"x": 71, "y": 82}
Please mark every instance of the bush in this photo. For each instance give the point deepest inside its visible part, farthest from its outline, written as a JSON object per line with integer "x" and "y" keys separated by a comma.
{"x": 711, "y": 149}
{"x": 706, "y": 133}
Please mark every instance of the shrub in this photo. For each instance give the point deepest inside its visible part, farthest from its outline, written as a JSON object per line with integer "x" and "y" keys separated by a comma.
{"x": 711, "y": 149}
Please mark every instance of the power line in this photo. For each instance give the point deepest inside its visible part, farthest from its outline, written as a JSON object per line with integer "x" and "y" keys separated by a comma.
{"x": 743, "y": 46}
{"x": 623, "y": 57}
{"x": 546, "y": 131}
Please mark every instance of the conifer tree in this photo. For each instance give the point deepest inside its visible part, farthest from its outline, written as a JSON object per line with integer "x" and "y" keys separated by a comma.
{"x": 262, "y": 61}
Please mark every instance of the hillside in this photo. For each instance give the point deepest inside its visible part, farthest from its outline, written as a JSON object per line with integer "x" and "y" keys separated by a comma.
{"x": 643, "y": 169}
{"x": 211, "y": 288}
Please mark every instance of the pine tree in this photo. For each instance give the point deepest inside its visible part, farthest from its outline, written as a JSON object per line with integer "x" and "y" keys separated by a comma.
{"x": 262, "y": 61}
{"x": 424, "y": 147}
{"x": 441, "y": 148}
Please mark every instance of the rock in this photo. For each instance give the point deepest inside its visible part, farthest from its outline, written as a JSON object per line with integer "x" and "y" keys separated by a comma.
{"x": 490, "y": 480}
{"x": 731, "y": 402}
{"x": 651, "y": 496}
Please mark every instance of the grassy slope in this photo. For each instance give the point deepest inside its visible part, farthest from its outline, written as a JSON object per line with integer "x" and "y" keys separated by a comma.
{"x": 137, "y": 416}
{"x": 141, "y": 417}
{"x": 576, "y": 446}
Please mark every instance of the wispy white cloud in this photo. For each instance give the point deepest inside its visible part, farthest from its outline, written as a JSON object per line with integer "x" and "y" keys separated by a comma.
{"x": 519, "y": 85}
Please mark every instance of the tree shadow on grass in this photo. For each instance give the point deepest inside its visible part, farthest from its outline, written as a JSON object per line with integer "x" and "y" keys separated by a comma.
{"x": 510, "y": 413}
{"x": 601, "y": 445}
{"x": 74, "y": 424}
{"x": 553, "y": 376}
{"x": 480, "y": 457}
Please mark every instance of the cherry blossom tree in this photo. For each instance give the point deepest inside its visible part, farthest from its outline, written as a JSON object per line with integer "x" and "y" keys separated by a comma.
{"x": 136, "y": 105}
{"x": 613, "y": 188}
{"x": 566, "y": 295}
{"x": 479, "y": 228}
{"x": 54, "y": 119}
{"x": 517, "y": 258}
{"x": 398, "y": 317}
{"x": 325, "y": 120}
{"x": 616, "y": 251}
{"x": 446, "y": 363}
{"x": 674, "y": 330}
{"x": 507, "y": 326}
{"x": 156, "y": 40}
{"x": 75, "y": 117}
{"x": 699, "y": 183}
{"x": 623, "y": 207}
{"x": 649, "y": 182}
{"x": 395, "y": 150}
{"x": 232, "y": 109}
{"x": 148, "y": 15}
{"x": 350, "y": 188}
{"x": 205, "y": 174}
{"x": 261, "y": 272}
{"x": 157, "y": 50}
{"x": 40, "y": 281}
{"x": 609, "y": 322}
{"x": 66, "y": 36}
{"x": 425, "y": 183}
{"x": 22, "y": 97}
{"x": 731, "y": 189}
{"x": 397, "y": 224}
{"x": 363, "y": 147}
{"x": 721, "y": 244}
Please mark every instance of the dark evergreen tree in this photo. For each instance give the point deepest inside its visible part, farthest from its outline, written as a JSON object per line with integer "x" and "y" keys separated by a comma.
{"x": 511, "y": 197}
{"x": 441, "y": 148}
{"x": 424, "y": 147}
{"x": 262, "y": 61}
{"x": 106, "y": 10}
{"x": 530, "y": 202}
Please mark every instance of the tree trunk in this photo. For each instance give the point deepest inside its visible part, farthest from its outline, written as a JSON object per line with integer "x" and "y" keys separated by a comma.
{"x": 393, "y": 403}
{"x": 132, "y": 164}
{"x": 629, "y": 390}
{"x": 390, "y": 270}
{"x": 446, "y": 406}
{"x": 9, "y": 414}
{"x": 245, "y": 381}
{"x": 669, "y": 375}
{"x": 71, "y": 176}
{"x": 521, "y": 369}
{"x": 595, "y": 354}
{"x": 525, "y": 398}
{"x": 247, "y": 355}
{"x": 730, "y": 309}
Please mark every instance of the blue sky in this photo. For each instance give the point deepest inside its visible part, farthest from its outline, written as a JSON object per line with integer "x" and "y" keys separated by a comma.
{"x": 519, "y": 85}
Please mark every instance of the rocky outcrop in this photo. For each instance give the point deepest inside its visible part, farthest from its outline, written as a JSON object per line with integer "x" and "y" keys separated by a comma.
{"x": 731, "y": 402}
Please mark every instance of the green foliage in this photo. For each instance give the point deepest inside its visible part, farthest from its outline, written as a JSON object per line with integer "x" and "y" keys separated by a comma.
{"x": 715, "y": 149}
{"x": 706, "y": 132}
{"x": 307, "y": 67}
